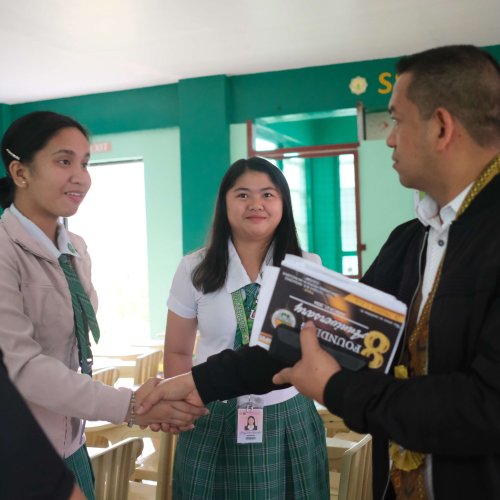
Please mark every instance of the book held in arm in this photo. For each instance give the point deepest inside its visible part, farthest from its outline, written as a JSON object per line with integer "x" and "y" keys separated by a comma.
{"x": 357, "y": 324}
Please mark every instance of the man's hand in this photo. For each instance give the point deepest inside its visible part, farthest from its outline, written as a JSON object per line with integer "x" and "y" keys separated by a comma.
{"x": 314, "y": 369}
{"x": 177, "y": 388}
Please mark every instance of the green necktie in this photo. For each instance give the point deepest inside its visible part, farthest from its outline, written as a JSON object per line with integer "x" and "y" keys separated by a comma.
{"x": 249, "y": 303}
{"x": 84, "y": 314}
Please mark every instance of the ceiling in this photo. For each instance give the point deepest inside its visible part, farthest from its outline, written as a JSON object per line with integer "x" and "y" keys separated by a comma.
{"x": 61, "y": 48}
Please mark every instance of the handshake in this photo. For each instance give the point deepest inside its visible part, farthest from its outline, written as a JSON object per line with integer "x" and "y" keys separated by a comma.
{"x": 173, "y": 405}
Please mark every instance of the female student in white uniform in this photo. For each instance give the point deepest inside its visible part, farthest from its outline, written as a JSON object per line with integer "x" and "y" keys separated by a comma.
{"x": 45, "y": 156}
{"x": 214, "y": 293}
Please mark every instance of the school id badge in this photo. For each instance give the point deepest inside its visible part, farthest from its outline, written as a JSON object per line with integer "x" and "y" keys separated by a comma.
{"x": 250, "y": 414}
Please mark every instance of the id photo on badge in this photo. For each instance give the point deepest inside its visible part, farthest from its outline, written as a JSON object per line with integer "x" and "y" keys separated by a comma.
{"x": 250, "y": 425}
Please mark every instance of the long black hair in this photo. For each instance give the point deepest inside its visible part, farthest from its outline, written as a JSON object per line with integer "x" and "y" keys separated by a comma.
{"x": 210, "y": 274}
{"x": 24, "y": 138}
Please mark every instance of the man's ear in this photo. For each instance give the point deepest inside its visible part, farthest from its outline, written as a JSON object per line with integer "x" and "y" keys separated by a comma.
{"x": 445, "y": 125}
{"x": 18, "y": 173}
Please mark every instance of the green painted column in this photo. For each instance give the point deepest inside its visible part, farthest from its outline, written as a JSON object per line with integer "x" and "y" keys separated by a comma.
{"x": 5, "y": 121}
{"x": 325, "y": 209}
{"x": 205, "y": 152}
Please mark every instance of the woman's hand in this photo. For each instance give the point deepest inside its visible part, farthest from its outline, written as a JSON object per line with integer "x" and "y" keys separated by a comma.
{"x": 171, "y": 405}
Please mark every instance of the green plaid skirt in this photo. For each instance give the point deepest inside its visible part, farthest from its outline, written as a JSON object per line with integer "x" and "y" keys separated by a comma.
{"x": 291, "y": 463}
{"x": 79, "y": 463}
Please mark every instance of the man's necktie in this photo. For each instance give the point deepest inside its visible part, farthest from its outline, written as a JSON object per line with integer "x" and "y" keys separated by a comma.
{"x": 84, "y": 314}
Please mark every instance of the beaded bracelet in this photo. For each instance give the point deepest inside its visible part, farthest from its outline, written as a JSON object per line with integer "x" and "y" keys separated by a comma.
{"x": 131, "y": 410}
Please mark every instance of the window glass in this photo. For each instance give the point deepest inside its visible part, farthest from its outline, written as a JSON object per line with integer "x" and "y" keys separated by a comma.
{"x": 294, "y": 171}
{"x": 347, "y": 203}
{"x": 112, "y": 220}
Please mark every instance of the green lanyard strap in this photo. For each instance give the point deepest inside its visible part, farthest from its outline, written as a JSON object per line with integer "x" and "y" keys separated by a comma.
{"x": 244, "y": 310}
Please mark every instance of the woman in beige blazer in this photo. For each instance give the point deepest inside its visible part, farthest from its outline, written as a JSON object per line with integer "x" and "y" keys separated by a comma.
{"x": 45, "y": 156}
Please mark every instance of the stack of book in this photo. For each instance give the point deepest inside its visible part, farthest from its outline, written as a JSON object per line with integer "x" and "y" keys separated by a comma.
{"x": 356, "y": 323}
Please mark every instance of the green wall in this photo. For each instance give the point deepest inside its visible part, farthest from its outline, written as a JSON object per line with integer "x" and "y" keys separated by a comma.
{"x": 325, "y": 210}
{"x": 309, "y": 131}
{"x": 205, "y": 150}
{"x": 307, "y": 90}
{"x": 5, "y": 120}
{"x": 238, "y": 140}
{"x": 111, "y": 112}
{"x": 384, "y": 202}
{"x": 339, "y": 130}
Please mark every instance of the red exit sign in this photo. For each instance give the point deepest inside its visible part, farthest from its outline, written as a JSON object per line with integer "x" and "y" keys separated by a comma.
{"x": 100, "y": 147}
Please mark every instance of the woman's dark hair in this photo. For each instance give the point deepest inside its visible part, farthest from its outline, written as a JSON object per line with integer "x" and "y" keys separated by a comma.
{"x": 24, "y": 138}
{"x": 210, "y": 274}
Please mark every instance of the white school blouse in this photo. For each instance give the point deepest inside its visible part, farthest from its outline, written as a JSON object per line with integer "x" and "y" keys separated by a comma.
{"x": 214, "y": 311}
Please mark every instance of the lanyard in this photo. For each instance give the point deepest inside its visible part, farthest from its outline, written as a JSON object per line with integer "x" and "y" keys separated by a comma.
{"x": 244, "y": 323}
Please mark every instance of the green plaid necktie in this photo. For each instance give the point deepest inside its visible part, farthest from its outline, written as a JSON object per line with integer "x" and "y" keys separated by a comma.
{"x": 249, "y": 302}
{"x": 84, "y": 314}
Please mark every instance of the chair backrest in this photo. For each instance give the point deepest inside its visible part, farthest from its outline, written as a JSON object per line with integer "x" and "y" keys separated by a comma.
{"x": 107, "y": 376}
{"x": 146, "y": 366}
{"x": 113, "y": 467}
{"x": 356, "y": 471}
{"x": 332, "y": 423}
{"x": 164, "y": 464}
{"x": 167, "y": 453}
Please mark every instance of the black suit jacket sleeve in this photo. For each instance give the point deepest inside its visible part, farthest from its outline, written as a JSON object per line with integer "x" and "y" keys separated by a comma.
{"x": 229, "y": 374}
{"x": 31, "y": 468}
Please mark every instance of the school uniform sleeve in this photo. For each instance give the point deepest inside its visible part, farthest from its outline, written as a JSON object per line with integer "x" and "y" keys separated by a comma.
{"x": 181, "y": 299}
{"x": 38, "y": 351}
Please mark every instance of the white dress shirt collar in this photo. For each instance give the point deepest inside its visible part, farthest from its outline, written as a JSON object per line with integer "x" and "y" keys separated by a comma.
{"x": 429, "y": 214}
{"x": 237, "y": 277}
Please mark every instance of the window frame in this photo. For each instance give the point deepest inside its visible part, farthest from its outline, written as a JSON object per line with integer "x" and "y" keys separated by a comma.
{"x": 321, "y": 151}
